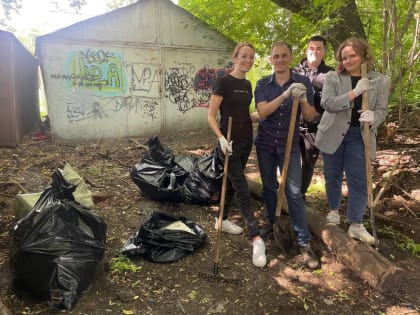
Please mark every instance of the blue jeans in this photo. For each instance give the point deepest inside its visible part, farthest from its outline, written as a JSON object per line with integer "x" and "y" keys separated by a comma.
{"x": 237, "y": 185}
{"x": 349, "y": 159}
{"x": 268, "y": 163}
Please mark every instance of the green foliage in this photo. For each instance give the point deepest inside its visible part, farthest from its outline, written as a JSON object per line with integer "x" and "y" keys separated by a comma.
{"x": 403, "y": 241}
{"x": 263, "y": 22}
{"x": 122, "y": 264}
{"x": 259, "y": 22}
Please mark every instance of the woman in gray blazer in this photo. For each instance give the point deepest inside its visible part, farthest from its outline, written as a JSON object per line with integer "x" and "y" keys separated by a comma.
{"x": 340, "y": 137}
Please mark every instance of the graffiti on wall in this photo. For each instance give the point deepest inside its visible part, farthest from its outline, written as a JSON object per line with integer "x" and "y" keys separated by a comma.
{"x": 204, "y": 81}
{"x": 178, "y": 84}
{"x": 187, "y": 89}
{"x": 144, "y": 79}
{"x": 78, "y": 111}
{"x": 101, "y": 82}
{"x": 96, "y": 70}
{"x": 144, "y": 107}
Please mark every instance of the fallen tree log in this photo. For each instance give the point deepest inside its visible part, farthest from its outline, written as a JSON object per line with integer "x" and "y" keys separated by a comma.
{"x": 255, "y": 189}
{"x": 364, "y": 260}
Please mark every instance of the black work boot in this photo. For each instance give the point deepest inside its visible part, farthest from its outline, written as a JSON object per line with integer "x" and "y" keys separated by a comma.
{"x": 309, "y": 258}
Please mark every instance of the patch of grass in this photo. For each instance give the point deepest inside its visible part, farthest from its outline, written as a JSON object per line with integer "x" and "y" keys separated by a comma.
{"x": 101, "y": 168}
{"x": 122, "y": 264}
{"x": 317, "y": 186}
{"x": 402, "y": 241}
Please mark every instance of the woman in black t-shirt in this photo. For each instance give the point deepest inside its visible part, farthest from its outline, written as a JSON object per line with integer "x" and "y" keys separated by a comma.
{"x": 232, "y": 97}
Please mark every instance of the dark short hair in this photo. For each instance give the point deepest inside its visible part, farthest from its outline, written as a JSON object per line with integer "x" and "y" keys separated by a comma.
{"x": 318, "y": 38}
{"x": 275, "y": 44}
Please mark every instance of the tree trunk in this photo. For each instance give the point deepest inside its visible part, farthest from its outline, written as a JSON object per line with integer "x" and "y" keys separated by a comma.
{"x": 345, "y": 22}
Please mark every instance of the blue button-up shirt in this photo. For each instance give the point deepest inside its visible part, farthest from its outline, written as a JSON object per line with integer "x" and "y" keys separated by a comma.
{"x": 272, "y": 130}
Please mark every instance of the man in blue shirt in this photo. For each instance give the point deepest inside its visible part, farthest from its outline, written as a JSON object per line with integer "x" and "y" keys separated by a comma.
{"x": 274, "y": 96}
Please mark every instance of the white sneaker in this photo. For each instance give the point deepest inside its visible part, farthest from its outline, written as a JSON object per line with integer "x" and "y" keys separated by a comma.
{"x": 258, "y": 253}
{"x": 359, "y": 232}
{"x": 333, "y": 217}
{"x": 229, "y": 227}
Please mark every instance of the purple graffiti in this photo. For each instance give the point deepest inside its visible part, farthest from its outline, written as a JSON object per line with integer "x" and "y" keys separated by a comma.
{"x": 204, "y": 81}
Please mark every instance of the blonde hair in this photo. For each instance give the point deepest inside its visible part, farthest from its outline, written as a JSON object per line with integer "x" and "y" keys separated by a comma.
{"x": 361, "y": 47}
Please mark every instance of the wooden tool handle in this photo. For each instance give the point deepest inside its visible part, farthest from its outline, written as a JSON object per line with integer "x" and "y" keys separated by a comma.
{"x": 292, "y": 126}
{"x": 222, "y": 198}
{"x": 366, "y": 138}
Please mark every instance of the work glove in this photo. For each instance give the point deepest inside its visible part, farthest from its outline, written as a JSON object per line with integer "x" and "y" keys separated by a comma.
{"x": 225, "y": 146}
{"x": 367, "y": 116}
{"x": 295, "y": 90}
{"x": 303, "y": 97}
{"x": 362, "y": 85}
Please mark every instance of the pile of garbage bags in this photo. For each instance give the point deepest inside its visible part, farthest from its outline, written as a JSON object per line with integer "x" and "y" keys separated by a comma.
{"x": 58, "y": 245}
{"x": 163, "y": 176}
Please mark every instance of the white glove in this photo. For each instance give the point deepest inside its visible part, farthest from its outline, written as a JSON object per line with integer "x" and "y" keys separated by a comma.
{"x": 225, "y": 146}
{"x": 362, "y": 85}
{"x": 367, "y": 116}
{"x": 295, "y": 90}
{"x": 303, "y": 97}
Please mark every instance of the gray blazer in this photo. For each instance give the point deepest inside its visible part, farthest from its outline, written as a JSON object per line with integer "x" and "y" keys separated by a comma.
{"x": 337, "y": 116}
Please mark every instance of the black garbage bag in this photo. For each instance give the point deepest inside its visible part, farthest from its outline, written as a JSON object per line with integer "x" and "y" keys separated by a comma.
{"x": 165, "y": 238}
{"x": 57, "y": 246}
{"x": 162, "y": 176}
{"x": 157, "y": 152}
{"x": 159, "y": 174}
{"x": 158, "y": 182}
{"x": 204, "y": 182}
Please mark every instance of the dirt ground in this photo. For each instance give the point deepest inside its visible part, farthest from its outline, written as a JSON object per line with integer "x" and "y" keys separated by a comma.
{"x": 285, "y": 286}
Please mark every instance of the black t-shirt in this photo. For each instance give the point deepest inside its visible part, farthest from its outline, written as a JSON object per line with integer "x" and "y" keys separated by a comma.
{"x": 357, "y": 105}
{"x": 237, "y": 97}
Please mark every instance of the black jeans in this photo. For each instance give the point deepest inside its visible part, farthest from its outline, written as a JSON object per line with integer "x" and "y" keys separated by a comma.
{"x": 237, "y": 185}
{"x": 309, "y": 154}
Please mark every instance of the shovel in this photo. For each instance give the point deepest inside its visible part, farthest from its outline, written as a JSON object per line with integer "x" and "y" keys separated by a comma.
{"x": 366, "y": 136}
{"x": 282, "y": 233}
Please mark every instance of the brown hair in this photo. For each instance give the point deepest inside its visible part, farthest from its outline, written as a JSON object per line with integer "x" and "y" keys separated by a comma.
{"x": 275, "y": 44}
{"x": 239, "y": 46}
{"x": 361, "y": 47}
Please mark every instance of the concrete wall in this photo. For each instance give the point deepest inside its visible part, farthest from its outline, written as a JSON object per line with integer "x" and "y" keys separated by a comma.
{"x": 144, "y": 69}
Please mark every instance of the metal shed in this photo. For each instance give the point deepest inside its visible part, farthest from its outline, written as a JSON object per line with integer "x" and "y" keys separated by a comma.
{"x": 144, "y": 69}
{"x": 19, "y": 88}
